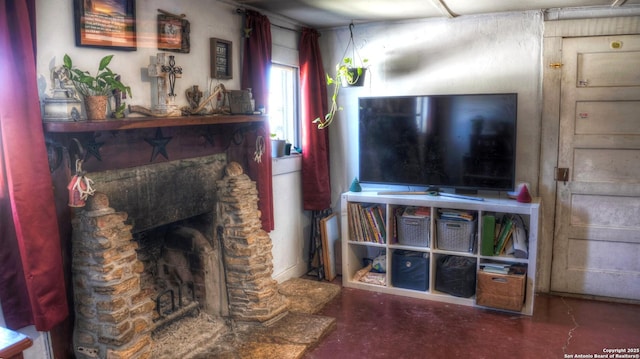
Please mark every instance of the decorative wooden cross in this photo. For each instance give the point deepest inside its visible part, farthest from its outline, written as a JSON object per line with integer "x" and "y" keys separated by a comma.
{"x": 166, "y": 76}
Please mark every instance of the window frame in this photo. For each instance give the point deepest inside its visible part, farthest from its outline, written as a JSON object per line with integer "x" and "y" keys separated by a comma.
{"x": 296, "y": 131}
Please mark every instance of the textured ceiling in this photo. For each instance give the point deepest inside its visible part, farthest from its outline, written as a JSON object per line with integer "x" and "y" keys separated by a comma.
{"x": 331, "y": 13}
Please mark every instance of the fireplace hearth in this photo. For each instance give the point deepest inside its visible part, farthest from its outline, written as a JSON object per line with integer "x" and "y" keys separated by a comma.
{"x": 143, "y": 274}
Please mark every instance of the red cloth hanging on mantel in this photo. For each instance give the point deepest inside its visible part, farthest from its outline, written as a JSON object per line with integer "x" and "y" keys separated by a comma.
{"x": 256, "y": 66}
{"x": 32, "y": 288}
{"x": 316, "y": 181}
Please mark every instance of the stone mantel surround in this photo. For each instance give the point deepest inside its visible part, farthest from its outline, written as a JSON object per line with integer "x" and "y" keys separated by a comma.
{"x": 122, "y": 144}
{"x": 115, "y": 316}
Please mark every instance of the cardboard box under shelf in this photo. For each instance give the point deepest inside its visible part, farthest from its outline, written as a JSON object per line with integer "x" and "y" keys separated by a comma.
{"x": 501, "y": 291}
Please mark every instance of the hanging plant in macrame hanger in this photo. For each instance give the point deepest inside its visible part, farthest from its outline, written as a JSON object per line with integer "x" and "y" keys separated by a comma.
{"x": 349, "y": 73}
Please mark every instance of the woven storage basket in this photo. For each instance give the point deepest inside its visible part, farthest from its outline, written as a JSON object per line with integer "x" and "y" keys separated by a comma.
{"x": 456, "y": 236}
{"x": 413, "y": 231}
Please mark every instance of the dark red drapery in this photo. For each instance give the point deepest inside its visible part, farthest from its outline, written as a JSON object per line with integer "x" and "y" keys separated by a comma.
{"x": 316, "y": 185}
{"x": 32, "y": 289}
{"x": 256, "y": 65}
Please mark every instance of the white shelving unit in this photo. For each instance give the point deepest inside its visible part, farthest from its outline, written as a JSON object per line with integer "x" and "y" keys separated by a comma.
{"x": 354, "y": 252}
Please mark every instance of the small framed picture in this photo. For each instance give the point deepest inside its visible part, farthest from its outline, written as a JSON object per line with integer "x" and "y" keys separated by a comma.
{"x": 221, "y": 59}
{"x": 105, "y": 24}
{"x": 173, "y": 33}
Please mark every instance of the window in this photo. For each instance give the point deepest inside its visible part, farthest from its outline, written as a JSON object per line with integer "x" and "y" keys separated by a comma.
{"x": 283, "y": 108}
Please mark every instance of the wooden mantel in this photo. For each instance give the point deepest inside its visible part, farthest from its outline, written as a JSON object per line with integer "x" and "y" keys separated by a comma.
{"x": 13, "y": 343}
{"x": 148, "y": 122}
{"x": 120, "y": 143}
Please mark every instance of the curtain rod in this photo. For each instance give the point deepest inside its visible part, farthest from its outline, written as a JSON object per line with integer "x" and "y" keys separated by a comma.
{"x": 240, "y": 11}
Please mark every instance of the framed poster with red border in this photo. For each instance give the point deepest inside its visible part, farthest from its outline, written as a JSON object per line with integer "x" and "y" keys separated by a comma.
{"x": 109, "y": 24}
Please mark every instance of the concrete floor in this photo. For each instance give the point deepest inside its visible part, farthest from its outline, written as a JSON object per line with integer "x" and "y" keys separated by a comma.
{"x": 373, "y": 325}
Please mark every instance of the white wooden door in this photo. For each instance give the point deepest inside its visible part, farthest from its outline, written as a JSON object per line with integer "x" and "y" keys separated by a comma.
{"x": 596, "y": 247}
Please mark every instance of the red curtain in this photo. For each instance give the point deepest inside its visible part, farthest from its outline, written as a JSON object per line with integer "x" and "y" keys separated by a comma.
{"x": 32, "y": 289}
{"x": 256, "y": 65}
{"x": 316, "y": 186}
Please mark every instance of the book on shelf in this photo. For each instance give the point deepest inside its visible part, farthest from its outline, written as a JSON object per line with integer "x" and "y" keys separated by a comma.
{"x": 420, "y": 212}
{"x": 456, "y": 215}
{"x": 376, "y": 226}
{"x": 519, "y": 246}
{"x": 367, "y": 222}
{"x": 502, "y": 268}
{"x": 495, "y": 268}
{"x": 381, "y": 222}
{"x": 488, "y": 234}
{"x": 398, "y": 211}
{"x": 503, "y": 236}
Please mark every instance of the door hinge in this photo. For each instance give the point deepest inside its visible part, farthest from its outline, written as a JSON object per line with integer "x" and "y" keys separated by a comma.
{"x": 555, "y": 65}
{"x": 562, "y": 174}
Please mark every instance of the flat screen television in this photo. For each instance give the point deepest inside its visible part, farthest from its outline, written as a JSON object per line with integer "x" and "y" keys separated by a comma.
{"x": 461, "y": 142}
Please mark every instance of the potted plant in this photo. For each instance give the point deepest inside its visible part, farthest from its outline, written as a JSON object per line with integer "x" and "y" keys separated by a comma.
{"x": 97, "y": 89}
{"x": 348, "y": 74}
{"x": 277, "y": 146}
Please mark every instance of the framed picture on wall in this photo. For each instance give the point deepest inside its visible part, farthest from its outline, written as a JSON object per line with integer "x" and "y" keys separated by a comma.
{"x": 220, "y": 59}
{"x": 173, "y": 32}
{"x": 105, "y": 24}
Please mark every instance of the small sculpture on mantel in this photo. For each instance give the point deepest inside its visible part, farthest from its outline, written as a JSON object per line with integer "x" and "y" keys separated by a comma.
{"x": 194, "y": 95}
{"x": 63, "y": 105}
{"x": 219, "y": 92}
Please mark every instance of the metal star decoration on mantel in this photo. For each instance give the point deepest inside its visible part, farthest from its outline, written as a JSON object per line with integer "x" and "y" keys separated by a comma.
{"x": 159, "y": 144}
{"x": 209, "y": 136}
{"x": 93, "y": 149}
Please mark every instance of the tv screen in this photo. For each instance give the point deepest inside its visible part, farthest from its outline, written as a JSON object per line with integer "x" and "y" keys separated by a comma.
{"x": 464, "y": 142}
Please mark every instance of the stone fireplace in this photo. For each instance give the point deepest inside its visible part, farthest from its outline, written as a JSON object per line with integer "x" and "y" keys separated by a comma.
{"x": 165, "y": 244}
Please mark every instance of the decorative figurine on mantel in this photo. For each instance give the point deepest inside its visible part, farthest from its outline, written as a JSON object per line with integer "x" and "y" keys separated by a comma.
{"x": 194, "y": 95}
{"x": 202, "y": 108}
{"x": 63, "y": 105}
{"x": 166, "y": 75}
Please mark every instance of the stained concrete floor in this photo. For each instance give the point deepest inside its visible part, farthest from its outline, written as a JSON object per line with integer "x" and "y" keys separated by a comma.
{"x": 374, "y": 325}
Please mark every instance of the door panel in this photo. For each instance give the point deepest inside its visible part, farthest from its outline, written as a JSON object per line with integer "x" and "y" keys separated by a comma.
{"x": 585, "y": 255}
{"x": 607, "y": 69}
{"x": 606, "y": 165}
{"x": 597, "y": 238}
{"x": 607, "y": 117}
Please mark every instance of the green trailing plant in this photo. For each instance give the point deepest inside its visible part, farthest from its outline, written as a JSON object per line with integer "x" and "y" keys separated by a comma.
{"x": 102, "y": 84}
{"x": 347, "y": 74}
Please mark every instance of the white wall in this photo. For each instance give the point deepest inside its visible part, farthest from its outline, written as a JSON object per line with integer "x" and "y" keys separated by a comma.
{"x": 208, "y": 18}
{"x": 291, "y": 232}
{"x": 470, "y": 54}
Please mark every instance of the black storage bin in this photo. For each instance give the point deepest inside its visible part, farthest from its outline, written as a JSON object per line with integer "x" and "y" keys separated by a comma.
{"x": 410, "y": 270}
{"x": 456, "y": 275}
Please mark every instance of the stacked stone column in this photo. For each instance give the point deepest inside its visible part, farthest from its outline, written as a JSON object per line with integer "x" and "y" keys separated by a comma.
{"x": 113, "y": 315}
{"x": 253, "y": 293}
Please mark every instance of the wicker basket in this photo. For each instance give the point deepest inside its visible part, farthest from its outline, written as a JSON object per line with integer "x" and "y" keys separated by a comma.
{"x": 413, "y": 231}
{"x": 459, "y": 236}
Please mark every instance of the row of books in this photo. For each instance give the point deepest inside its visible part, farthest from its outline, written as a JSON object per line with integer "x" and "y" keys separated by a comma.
{"x": 504, "y": 236}
{"x": 456, "y": 215}
{"x": 502, "y": 268}
{"x": 367, "y": 222}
